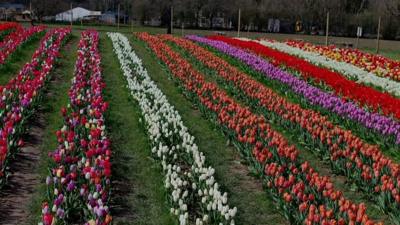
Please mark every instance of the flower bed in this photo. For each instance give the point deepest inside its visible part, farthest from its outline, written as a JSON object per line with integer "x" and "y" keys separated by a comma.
{"x": 79, "y": 184}
{"x": 377, "y": 64}
{"x": 8, "y": 26}
{"x": 352, "y": 72}
{"x": 194, "y": 194}
{"x": 303, "y": 195}
{"x": 348, "y": 154}
{"x": 365, "y": 96}
{"x": 384, "y": 125}
{"x": 20, "y": 97}
{"x": 12, "y": 41}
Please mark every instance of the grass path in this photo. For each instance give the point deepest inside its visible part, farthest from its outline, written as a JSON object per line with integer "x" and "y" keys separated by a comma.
{"x": 138, "y": 195}
{"x": 56, "y": 98}
{"x": 245, "y": 191}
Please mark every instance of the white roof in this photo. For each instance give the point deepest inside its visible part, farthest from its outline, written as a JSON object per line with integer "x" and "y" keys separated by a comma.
{"x": 76, "y": 13}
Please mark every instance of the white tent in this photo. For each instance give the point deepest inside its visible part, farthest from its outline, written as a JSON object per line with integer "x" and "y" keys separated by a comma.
{"x": 76, "y": 14}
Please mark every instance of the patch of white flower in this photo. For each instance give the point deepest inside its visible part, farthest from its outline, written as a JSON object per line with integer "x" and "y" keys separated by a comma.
{"x": 194, "y": 194}
{"x": 349, "y": 70}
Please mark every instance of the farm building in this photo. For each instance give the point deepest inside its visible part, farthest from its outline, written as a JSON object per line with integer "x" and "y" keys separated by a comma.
{"x": 77, "y": 13}
{"x": 24, "y": 16}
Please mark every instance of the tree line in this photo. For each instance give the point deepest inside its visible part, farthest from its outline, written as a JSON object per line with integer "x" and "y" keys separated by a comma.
{"x": 346, "y": 15}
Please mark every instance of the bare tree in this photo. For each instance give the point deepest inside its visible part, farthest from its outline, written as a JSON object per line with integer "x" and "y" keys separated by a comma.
{"x": 44, "y": 8}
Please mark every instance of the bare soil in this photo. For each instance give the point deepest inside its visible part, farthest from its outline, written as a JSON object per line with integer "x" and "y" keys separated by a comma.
{"x": 24, "y": 178}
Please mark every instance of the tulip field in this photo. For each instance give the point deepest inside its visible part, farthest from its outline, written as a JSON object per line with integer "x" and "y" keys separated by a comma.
{"x": 101, "y": 127}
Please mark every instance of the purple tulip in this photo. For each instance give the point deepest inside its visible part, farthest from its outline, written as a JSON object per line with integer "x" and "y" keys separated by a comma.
{"x": 99, "y": 212}
{"x": 25, "y": 102}
{"x": 71, "y": 186}
{"x": 59, "y": 200}
{"x": 60, "y": 213}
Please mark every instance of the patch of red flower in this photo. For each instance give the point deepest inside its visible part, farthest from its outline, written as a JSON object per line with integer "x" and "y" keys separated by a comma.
{"x": 8, "y": 26}
{"x": 14, "y": 40}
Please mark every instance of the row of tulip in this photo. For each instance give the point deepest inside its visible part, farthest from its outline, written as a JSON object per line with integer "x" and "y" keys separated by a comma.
{"x": 349, "y": 70}
{"x": 377, "y": 64}
{"x": 303, "y": 195}
{"x": 386, "y": 126}
{"x": 14, "y": 40}
{"x": 362, "y": 163}
{"x": 20, "y": 96}
{"x": 193, "y": 192}
{"x": 79, "y": 183}
{"x": 6, "y": 28}
{"x": 365, "y": 96}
